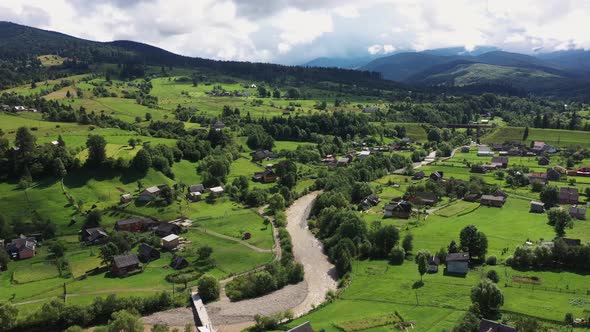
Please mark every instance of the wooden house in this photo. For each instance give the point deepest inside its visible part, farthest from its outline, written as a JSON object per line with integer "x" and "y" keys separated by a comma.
{"x": 436, "y": 176}
{"x": 267, "y": 176}
{"x": 492, "y": 200}
{"x": 433, "y": 263}
{"x": 490, "y": 326}
{"x": 126, "y": 198}
{"x": 22, "y": 247}
{"x": 458, "y": 263}
{"x": 543, "y": 161}
{"x": 148, "y": 253}
{"x": 124, "y": 264}
{"x": 216, "y": 191}
{"x": 500, "y": 162}
{"x": 553, "y": 174}
{"x": 149, "y": 193}
{"x": 568, "y": 195}
{"x": 178, "y": 263}
{"x": 166, "y": 228}
{"x": 135, "y": 224}
{"x": 170, "y": 242}
{"x": 96, "y": 235}
{"x": 418, "y": 175}
{"x": 537, "y": 207}
{"x": 423, "y": 198}
{"x": 541, "y": 177}
{"x": 577, "y": 212}
{"x": 401, "y": 209}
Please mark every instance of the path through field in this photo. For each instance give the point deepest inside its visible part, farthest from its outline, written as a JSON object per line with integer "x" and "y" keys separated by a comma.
{"x": 320, "y": 276}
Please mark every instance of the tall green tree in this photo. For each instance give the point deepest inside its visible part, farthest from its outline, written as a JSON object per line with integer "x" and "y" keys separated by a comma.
{"x": 474, "y": 241}
{"x": 488, "y": 296}
{"x": 550, "y": 196}
{"x": 421, "y": 260}
{"x": 407, "y": 243}
{"x": 208, "y": 288}
{"x": 8, "y": 316}
{"x": 25, "y": 141}
{"x": 97, "y": 152}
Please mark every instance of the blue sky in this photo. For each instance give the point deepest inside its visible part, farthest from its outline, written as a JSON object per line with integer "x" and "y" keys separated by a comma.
{"x": 293, "y": 32}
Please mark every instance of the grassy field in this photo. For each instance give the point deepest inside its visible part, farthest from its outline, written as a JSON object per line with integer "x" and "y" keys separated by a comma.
{"x": 557, "y": 137}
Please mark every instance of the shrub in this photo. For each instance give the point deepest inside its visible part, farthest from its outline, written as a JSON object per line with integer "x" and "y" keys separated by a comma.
{"x": 208, "y": 287}
{"x": 396, "y": 256}
{"x": 491, "y": 260}
{"x": 493, "y": 276}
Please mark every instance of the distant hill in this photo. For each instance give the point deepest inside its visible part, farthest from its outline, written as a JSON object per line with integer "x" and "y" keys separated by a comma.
{"x": 451, "y": 68}
{"x": 399, "y": 67}
{"x": 346, "y": 63}
{"x": 22, "y": 44}
{"x": 572, "y": 60}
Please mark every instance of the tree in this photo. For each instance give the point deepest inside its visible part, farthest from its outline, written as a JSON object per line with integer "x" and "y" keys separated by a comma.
{"x": 474, "y": 241}
{"x": 68, "y": 94}
{"x": 204, "y": 252}
{"x": 488, "y": 296}
{"x": 396, "y": 256}
{"x": 434, "y": 135}
{"x": 559, "y": 219}
{"x": 61, "y": 142}
{"x": 529, "y": 324}
{"x": 384, "y": 239}
{"x": 142, "y": 161}
{"x": 148, "y": 116}
{"x": 468, "y": 323}
{"x": 132, "y": 143}
{"x": 208, "y": 288}
{"x": 160, "y": 328}
{"x": 59, "y": 169}
{"x": 8, "y": 315}
{"x": 276, "y": 94}
{"x": 276, "y": 202}
{"x": 58, "y": 248}
{"x": 107, "y": 253}
{"x": 407, "y": 243}
{"x": 24, "y": 141}
{"x": 287, "y": 172}
{"x": 421, "y": 259}
{"x": 124, "y": 321}
{"x": 550, "y": 196}
{"x": 343, "y": 262}
{"x": 453, "y": 248}
{"x": 293, "y": 93}
{"x": 525, "y": 135}
{"x": 93, "y": 219}
{"x": 493, "y": 276}
{"x": 168, "y": 195}
{"x": 4, "y": 260}
{"x": 97, "y": 153}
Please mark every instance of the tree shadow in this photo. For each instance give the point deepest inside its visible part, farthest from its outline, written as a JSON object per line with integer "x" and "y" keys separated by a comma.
{"x": 81, "y": 177}
{"x": 418, "y": 284}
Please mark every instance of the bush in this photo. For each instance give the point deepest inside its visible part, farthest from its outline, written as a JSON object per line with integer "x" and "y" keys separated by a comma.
{"x": 493, "y": 276}
{"x": 208, "y": 287}
{"x": 491, "y": 260}
{"x": 396, "y": 256}
{"x": 509, "y": 261}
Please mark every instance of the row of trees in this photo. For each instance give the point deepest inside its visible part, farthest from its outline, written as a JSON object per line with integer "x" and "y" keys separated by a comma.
{"x": 561, "y": 255}
{"x": 57, "y": 316}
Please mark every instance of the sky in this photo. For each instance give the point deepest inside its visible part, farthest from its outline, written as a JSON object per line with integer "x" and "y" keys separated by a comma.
{"x": 296, "y": 31}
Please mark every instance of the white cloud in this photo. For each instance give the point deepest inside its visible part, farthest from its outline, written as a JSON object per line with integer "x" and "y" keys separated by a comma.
{"x": 293, "y": 31}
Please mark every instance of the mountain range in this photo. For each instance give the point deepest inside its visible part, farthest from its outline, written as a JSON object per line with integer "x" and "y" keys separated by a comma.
{"x": 563, "y": 73}
{"x": 458, "y": 67}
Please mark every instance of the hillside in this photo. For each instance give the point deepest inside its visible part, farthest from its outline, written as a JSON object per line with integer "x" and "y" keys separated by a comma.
{"x": 463, "y": 73}
{"x": 19, "y": 43}
{"x": 447, "y": 68}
